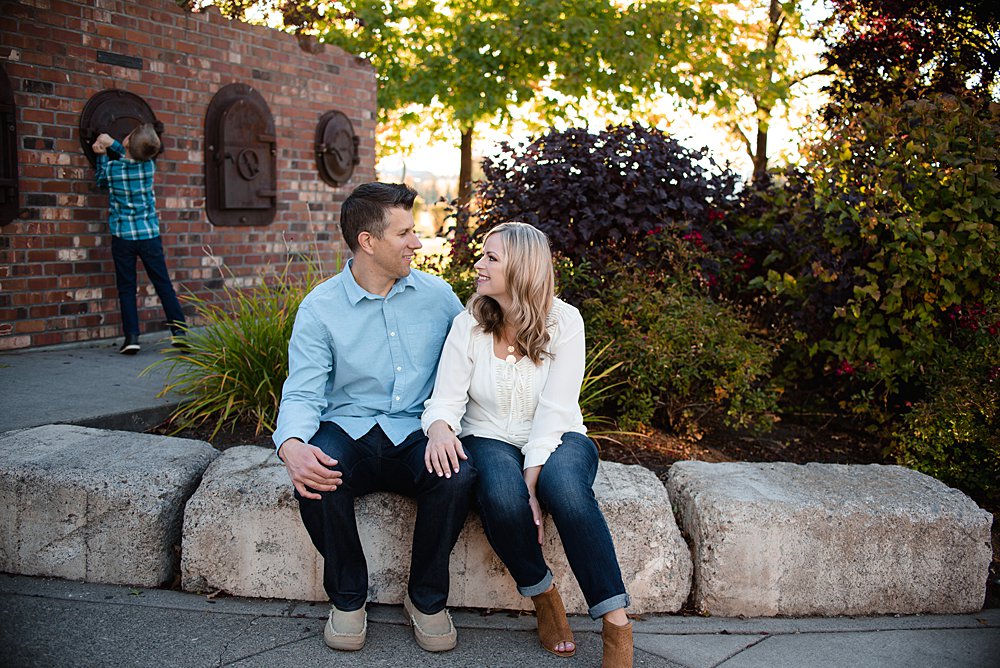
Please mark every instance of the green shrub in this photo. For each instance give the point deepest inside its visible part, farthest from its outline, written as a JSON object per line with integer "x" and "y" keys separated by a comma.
{"x": 595, "y": 389}
{"x": 681, "y": 354}
{"x": 865, "y": 255}
{"x": 914, "y": 189}
{"x": 233, "y": 368}
{"x": 954, "y": 435}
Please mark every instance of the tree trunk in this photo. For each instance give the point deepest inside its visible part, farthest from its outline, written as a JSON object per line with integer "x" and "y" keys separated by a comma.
{"x": 464, "y": 181}
{"x": 760, "y": 149}
{"x": 759, "y": 155}
{"x": 465, "y": 168}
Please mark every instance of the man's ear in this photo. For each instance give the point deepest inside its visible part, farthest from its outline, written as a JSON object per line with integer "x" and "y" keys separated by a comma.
{"x": 365, "y": 240}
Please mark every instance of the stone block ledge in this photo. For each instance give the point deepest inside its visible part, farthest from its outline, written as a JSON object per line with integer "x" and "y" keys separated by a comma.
{"x": 243, "y": 535}
{"x": 827, "y": 539}
{"x": 95, "y": 505}
{"x": 771, "y": 539}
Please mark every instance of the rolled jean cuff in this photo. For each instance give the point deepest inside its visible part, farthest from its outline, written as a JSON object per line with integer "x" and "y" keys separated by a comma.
{"x": 540, "y": 588}
{"x": 607, "y": 605}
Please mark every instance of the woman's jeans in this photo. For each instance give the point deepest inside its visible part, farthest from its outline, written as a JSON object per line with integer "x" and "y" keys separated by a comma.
{"x": 565, "y": 490}
{"x": 373, "y": 464}
{"x": 150, "y": 251}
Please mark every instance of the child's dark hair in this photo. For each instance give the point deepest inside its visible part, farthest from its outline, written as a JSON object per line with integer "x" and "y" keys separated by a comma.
{"x": 144, "y": 143}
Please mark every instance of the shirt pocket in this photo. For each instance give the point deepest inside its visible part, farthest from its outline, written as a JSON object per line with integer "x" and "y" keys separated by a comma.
{"x": 423, "y": 343}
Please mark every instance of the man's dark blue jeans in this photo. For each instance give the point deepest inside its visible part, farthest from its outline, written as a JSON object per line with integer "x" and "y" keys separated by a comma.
{"x": 565, "y": 489}
{"x": 150, "y": 251}
{"x": 373, "y": 464}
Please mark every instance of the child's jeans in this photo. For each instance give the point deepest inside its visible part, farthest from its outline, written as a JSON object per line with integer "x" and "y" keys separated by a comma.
{"x": 150, "y": 251}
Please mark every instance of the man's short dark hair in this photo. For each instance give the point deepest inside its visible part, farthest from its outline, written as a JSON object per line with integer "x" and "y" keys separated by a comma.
{"x": 367, "y": 209}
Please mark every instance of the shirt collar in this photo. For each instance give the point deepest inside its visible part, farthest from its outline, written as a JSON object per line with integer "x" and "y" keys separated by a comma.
{"x": 355, "y": 293}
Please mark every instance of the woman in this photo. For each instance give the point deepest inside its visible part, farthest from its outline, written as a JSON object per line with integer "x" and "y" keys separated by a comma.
{"x": 509, "y": 383}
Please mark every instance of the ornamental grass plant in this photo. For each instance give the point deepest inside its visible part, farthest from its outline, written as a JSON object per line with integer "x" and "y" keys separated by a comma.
{"x": 232, "y": 369}
{"x": 595, "y": 390}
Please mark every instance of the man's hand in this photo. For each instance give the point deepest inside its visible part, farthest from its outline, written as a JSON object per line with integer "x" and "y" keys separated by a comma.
{"x": 102, "y": 143}
{"x": 308, "y": 467}
{"x": 444, "y": 450}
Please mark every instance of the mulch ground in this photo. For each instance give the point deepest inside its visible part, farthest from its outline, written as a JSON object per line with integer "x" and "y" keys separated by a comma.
{"x": 657, "y": 450}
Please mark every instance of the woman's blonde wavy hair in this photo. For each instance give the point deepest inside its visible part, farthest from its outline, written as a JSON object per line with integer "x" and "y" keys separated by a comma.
{"x": 531, "y": 282}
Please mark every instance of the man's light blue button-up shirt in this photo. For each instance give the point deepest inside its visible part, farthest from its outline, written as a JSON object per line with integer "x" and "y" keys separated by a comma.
{"x": 359, "y": 359}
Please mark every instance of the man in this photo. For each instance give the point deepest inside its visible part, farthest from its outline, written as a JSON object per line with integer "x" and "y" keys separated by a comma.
{"x": 361, "y": 362}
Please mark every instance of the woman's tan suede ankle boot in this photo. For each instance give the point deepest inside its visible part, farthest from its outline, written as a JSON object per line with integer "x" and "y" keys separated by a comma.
{"x": 617, "y": 645}
{"x": 552, "y": 625}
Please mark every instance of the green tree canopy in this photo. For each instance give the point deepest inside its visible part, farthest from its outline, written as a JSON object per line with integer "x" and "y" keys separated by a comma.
{"x": 452, "y": 64}
{"x": 742, "y": 65}
{"x": 469, "y": 61}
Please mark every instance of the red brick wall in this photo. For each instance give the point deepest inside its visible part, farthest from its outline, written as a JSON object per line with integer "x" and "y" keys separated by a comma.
{"x": 56, "y": 273}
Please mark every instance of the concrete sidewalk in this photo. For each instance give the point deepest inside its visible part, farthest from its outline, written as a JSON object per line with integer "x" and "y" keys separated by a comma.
{"x": 45, "y": 622}
{"x": 85, "y": 384}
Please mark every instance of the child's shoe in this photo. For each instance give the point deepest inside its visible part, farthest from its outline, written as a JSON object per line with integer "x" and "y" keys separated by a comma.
{"x": 131, "y": 345}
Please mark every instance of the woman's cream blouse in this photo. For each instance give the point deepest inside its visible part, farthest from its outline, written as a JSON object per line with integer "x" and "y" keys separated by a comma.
{"x": 528, "y": 405}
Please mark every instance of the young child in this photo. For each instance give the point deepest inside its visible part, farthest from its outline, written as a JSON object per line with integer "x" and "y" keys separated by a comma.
{"x": 135, "y": 228}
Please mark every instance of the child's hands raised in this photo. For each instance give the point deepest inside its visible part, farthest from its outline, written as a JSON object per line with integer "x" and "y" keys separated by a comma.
{"x": 102, "y": 143}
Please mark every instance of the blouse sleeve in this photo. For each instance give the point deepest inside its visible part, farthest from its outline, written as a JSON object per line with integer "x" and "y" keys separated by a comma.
{"x": 558, "y": 407}
{"x": 454, "y": 376}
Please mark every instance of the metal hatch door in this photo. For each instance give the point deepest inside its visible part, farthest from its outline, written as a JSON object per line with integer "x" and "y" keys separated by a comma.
{"x": 336, "y": 148}
{"x": 248, "y": 166}
{"x": 240, "y": 158}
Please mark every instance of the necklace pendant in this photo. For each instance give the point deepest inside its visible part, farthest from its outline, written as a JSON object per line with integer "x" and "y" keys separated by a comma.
{"x": 510, "y": 359}
{"x": 510, "y": 349}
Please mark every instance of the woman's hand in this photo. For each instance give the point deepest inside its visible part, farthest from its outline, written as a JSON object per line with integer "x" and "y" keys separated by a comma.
{"x": 531, "y": 481}
{"x": 444, "y": 450}
{"x": 536, "y": 514}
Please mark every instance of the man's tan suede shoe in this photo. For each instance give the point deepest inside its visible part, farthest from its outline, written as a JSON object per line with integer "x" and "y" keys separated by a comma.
{"x": 346, "y": 630}
{"x": 434, "y": 633}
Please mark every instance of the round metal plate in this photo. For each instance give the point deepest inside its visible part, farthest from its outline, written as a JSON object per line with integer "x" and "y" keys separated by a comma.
{"x": 336, "y": 148}
{"x": 116, "y": 112}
